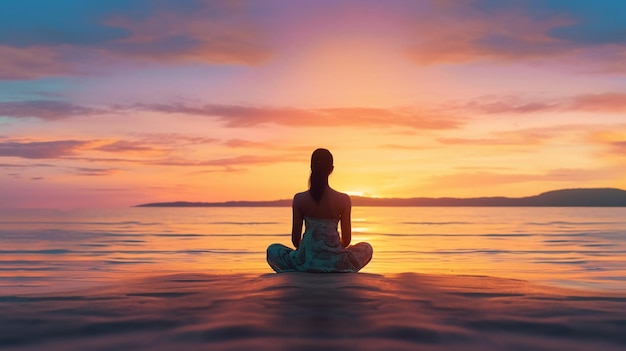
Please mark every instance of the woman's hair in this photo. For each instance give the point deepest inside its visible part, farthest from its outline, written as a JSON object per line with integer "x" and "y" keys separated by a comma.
{"x": 321, "y": 167}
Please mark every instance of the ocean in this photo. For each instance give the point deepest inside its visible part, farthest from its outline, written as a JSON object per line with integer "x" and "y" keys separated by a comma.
{"x": 49, "y": 250}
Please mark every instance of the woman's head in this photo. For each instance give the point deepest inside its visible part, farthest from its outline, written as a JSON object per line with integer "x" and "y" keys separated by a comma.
{"x": 321, "y": 168}
{"x": 322, "y": 161}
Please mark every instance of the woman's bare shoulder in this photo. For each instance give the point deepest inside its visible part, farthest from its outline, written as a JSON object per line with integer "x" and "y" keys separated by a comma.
{"x": 343, "y": 197}
{"x": 300, "y": 197}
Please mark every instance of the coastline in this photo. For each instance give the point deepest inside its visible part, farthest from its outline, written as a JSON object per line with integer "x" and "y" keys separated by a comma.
{"x": 580, "y": 197}
{"x": 288, "y": 311}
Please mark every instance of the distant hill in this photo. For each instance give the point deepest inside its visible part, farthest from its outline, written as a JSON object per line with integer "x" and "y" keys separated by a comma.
{"x": 595, "y": 197}
{"x": 275, "y": 203}
{"x": 556, "y": 198}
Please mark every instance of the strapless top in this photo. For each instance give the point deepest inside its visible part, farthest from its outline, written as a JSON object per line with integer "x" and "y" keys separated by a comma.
{"x": 320, "y": 250}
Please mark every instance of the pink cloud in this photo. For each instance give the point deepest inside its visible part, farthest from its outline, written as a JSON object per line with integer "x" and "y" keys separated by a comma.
{"x": 525, "y": 136}
{"x": 151, "y": 150}
{"x": 604, "y": 102}
{"x": 250, "y": 116}
{"x": 618, "y": 148}
{"x": 33, "y": 62}
{"x": 460, "y": 32}
{"x": 599, "y": 102}
{"x": 511, "y": 105}
{"x": 168, "y": 152}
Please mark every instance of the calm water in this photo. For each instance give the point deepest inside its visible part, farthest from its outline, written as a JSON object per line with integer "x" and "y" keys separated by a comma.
{"x": 49, "y": 250}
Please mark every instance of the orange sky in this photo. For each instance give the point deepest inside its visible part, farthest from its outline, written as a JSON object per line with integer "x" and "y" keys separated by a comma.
{"x": 215, "y": 101}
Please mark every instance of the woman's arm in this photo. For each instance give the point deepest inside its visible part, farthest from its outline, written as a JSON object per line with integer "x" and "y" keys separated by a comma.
{"x": 346, "y": 225}
{"x": 296, "y": 225}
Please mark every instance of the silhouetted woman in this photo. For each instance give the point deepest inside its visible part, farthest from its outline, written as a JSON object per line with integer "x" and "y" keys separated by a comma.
{"x": 320, "y": 248}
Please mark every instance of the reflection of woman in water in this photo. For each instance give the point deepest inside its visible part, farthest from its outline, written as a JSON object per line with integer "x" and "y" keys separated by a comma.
{"x": 320, "y": 248}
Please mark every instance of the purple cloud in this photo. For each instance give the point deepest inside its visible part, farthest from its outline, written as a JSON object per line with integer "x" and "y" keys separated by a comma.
{"x": 12, "y": 165}
{"x": 45, "y": 109}
{"x": 40, "y": 150}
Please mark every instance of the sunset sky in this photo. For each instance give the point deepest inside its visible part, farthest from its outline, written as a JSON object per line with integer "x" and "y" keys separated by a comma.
{"x": 112, "y": 103}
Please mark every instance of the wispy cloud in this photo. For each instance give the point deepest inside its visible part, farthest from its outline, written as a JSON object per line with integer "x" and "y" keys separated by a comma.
{"x": 88, "y": 171}
{"x": 40, "y": 150}
{"x": 21, "y": 165}
{"x": 172, "y": 138}
{"x": 150, "y": 149}
{"x": 612, "y": 141}
{"x": 434, "y": 117}
{"x": 18, "y": 63}
{"x": 619, "y": 147}
{"x": 241, "y": 143}
{"x": 251, "y": 116}
{"x": 83, "y": 39}
{"x": 121, "y": 146}
{"x": 604, "y": 102}
{"x": 470, "y": 31}
{"x": 45, "y": 109}
{"x": 244, "y": 160}
{"x": 73, "y": 38}
{"x": 171, "y": 142}
{"x": 527, "y": 136}
{"x": 217, "y": 32}
{"x": 510, "y": 104}
{"x": 143, "y": 153}
{"x": 514, "y": 31}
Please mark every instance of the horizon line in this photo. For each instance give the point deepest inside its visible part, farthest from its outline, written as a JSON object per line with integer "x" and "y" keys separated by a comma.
{"x": 559, "y": 197}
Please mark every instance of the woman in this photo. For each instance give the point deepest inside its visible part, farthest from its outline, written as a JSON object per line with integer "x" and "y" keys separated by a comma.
{"x": 320, "y": 249}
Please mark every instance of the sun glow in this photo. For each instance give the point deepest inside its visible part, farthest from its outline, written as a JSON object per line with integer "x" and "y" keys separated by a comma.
{"x": 355, "y": 193}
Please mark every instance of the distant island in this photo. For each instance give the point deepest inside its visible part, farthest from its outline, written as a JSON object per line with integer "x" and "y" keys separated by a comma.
{"x": 593, "y": 197}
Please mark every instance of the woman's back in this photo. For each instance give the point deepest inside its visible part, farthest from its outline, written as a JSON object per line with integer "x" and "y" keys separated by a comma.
{"x": 332, "y": 204}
